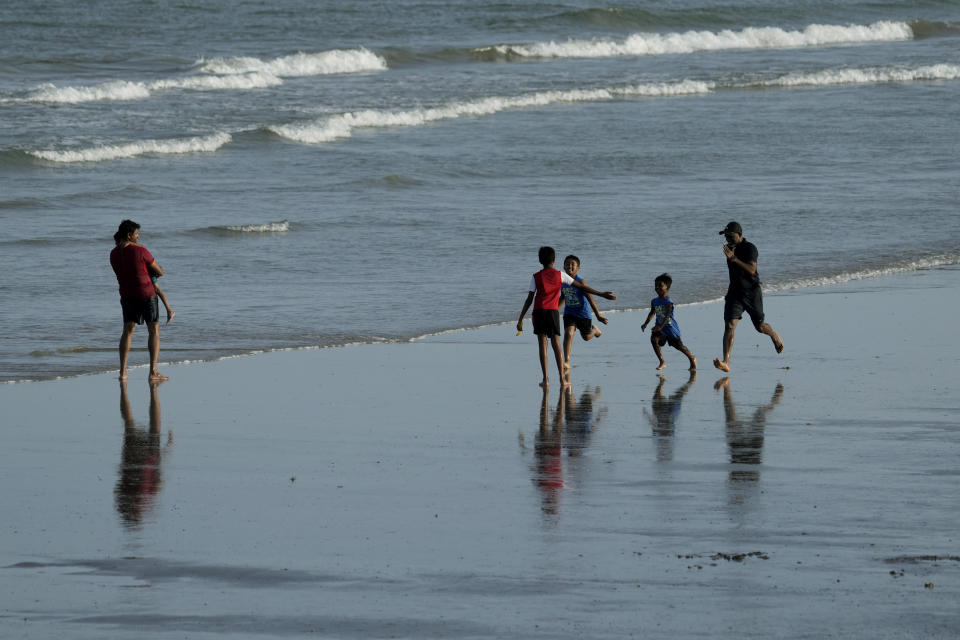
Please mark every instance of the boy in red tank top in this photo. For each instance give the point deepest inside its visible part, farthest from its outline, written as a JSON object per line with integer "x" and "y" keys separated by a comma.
{"x": 545, "y": 295}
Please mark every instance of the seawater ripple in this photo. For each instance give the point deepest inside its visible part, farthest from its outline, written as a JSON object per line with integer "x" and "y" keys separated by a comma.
{"x": 204, "y": 144}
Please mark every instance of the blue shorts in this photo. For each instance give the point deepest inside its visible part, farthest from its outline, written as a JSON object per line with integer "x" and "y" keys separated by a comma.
{"x": 140, "y": 310}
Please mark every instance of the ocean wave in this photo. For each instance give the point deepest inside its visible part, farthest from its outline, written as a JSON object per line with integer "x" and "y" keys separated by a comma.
{"x": 645, "y": 44}
{"x": 336, "y": 61}
{"x": 281, "y": 226}
{"x": 125, "y": 91}
{"x": 928, "y": 262}
{"x": 205, "y": 144}
{"x": 339, "y": 126}
{"x": 865, "y": 76}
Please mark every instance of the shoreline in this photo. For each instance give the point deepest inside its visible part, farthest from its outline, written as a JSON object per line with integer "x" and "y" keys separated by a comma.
{"x": 803, "y": 285}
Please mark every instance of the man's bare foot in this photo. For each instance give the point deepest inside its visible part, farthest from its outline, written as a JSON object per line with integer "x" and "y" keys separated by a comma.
{"x": 545, "y": 383}
{"x": 156, "y": 376}
{"x": 693, "y": 363}
{"x": 170, "y": 315}
{"x": 720, "y": 364}
{"x": 596, "y": 332}
{"x": 123, "y": 375}
{"x": 663, "y": 365}
{"x": 777, "y": 342}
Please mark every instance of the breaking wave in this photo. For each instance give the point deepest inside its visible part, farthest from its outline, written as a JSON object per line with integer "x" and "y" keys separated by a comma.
{"x": 645, "y": 44}
{"x": 339, "y": 126}
{"x": 205, "y": 144}
{"x": 299, "y": 64}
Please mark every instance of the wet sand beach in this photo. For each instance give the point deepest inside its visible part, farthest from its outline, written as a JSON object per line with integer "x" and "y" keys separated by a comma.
{"x": 432, "y": 490}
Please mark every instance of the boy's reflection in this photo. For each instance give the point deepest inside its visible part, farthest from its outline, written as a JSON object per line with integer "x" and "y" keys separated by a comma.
{"x": 664, "y": 417}
{"x": 581, "y": 417}
{"x": 548, "y": 451}
{"x": 139, "y": 478}
{"x": 745, "y": 437}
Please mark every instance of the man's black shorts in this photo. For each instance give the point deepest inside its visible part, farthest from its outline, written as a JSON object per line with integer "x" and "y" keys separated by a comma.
{"x": 140, "y": 310}
{"x": 546, "y": 322}
{"x": 750, "y": 301}
{"x": 583, "y": 325}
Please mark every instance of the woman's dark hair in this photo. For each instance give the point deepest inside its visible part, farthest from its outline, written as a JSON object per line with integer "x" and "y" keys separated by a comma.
{"x": 126, "y": 228}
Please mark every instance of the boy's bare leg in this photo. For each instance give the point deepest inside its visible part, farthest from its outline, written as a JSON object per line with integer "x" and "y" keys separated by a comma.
{"x": 655, "y": 342}
{"x": 558, "y": 354}
{"x": 153, "y": 344}
{"x": 125, "y": 338}
{"x": 568, "y": 345}
{"x": 542, "y": 346}
{"x": 728, "y": 331}
{"x": 774, "y": 336}
{"x": 693, "y": 360}
{"x": 166, "y": 304}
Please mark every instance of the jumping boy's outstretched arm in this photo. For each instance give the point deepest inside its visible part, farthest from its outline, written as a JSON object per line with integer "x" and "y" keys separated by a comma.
{"x": 526, "y": 306}
{"x": 603, "y": 294}
{"x": 593, "y": 305}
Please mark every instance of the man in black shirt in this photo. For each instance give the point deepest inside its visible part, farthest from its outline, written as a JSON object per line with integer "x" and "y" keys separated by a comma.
{"x": 744, "y": 292}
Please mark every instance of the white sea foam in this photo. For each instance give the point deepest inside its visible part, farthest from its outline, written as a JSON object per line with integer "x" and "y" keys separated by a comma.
{"x": 281, "y": 226}
{"x": 342, "y": 125}
{"x": 644, "y": 44}
{"x": 123, "y": 90}
{"x": 300, "y": 64}
{"x": 118, "y": 90}
{"x": 112, "y": 152}
{"x": 931, "y": 262}
{"x": 867, "y": 76}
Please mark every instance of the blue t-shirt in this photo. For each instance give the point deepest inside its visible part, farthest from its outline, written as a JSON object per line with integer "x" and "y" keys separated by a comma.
{"x": 663, "y": 307}
{"x": 575, "y": 301}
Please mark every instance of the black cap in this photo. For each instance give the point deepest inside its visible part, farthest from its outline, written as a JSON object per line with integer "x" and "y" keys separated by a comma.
{"x": 732, "y": 227}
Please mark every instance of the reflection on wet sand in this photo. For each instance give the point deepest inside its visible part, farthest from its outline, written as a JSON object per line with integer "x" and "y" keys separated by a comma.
{"x": 664, "y": 416}
{"x": 570, "y": 428}
{"x": 745, "y": 437}
{"x": 581, "y": 416}
{"x": 548, "y": 451}
{"x": 139, "y": 478}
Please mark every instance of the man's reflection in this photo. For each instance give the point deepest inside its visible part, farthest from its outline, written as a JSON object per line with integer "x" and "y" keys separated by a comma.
{"x": 548, "y": 451}
{"x": 663, "y": 419}
{"x": 139, "y": 478}
{"x": 745, "y": 437}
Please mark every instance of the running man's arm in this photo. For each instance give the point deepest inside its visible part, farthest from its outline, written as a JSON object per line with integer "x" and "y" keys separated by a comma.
{"x": 603, "y": 294}
{"x": 593, "y": 305}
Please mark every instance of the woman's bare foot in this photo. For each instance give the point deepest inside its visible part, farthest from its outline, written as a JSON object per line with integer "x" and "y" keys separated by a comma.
{"x": 170, "y": 315}
{"x": 720, "y": 364}
{"x": 663, "y": 365}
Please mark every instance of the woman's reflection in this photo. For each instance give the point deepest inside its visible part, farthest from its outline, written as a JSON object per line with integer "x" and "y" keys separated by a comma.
{"x": 139, "y": 478}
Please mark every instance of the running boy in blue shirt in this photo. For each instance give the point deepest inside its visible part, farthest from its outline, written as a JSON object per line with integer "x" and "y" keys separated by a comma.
{"x": 666, "y": 330}
{"x": 576, "y": 310}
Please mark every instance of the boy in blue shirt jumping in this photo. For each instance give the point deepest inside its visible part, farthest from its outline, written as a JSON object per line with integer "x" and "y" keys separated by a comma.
{"x": 666, "y": 330}
{"x": 576, "y": 310}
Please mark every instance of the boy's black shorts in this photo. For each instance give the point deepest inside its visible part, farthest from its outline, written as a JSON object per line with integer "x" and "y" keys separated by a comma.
{"x": 140, "y": 310}
{"x": 583, "y": 325}
{"x": 546, "y": 322}
{"x": 751, "y": 302}
{"x": 661, "y": 339}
